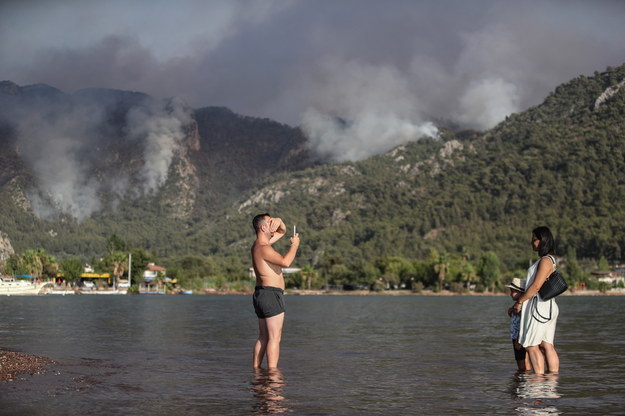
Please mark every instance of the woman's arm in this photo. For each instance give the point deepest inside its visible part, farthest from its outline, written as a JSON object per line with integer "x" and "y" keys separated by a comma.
{"x": 545, "y": 267}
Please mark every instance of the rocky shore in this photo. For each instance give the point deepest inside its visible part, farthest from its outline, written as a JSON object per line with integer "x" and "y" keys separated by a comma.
{"x": 12, "y": 364}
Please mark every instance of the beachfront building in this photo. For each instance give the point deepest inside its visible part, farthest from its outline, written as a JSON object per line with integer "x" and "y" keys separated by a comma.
{"x": 154, "y": 278}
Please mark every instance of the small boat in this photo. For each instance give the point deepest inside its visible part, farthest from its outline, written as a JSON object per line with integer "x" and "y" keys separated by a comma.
{"x": 62, "y": 292}
{"x": 10, "y": 286}
{"x": 185, "y": 292}
{"x": 103, "y": 292}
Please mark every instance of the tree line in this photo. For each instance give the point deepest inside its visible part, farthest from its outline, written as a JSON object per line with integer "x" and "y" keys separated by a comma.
{"x": 458, "y": 272}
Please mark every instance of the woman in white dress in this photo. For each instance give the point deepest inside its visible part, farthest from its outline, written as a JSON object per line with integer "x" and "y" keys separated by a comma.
{"x": 539, "y": 317}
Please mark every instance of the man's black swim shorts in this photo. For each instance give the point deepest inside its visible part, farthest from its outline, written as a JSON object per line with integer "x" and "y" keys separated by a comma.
{"x": 268, "y": 301}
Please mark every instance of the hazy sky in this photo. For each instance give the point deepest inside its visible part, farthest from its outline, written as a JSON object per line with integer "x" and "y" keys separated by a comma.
{"x": 388, "y": 66}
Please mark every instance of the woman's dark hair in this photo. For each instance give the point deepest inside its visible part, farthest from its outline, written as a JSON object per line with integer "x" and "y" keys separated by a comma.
{"x": 547, "y": 244}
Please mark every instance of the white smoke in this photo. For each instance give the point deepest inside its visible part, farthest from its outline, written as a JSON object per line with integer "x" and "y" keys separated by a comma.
{"x": 65, "y": 148}
{"x": 161, "y": 130}
{"x": 442, "y": 59}
{"x": 487, "y": 102}
{"x": 367, "y": 135}
{"x": 53, "y": 144}
{"x": 362, "y": 110}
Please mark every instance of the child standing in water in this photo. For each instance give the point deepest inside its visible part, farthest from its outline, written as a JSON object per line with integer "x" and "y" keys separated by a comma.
{"x": 517, "y": 287}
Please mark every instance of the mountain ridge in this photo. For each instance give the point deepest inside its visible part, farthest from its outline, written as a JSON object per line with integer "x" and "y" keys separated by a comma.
{"x": 560, "y": 163}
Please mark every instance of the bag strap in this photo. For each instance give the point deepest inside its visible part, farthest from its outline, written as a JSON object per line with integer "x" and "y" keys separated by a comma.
{"x": 553, "y": 260}
{"x": 541, "y": 319}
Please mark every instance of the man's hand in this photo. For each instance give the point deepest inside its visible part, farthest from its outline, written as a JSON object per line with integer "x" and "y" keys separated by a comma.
{"x": 276, "y": 225}
{"x": 277, "y": 229}
{"x": 295, "y": 240}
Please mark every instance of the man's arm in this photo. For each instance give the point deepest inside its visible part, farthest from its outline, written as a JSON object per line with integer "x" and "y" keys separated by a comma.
{"x": 278, "y": 228}
{"x": 272, "y": 256}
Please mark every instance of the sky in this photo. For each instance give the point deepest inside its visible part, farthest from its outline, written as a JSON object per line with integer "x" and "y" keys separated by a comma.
{"x": 359, "y": 76}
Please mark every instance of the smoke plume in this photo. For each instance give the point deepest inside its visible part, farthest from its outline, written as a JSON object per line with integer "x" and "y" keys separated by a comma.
{"x": 362, "y": 110}
{"x": 161, "y": 131}
{"x": 360, "y": 75}
{"x": 70, "y": 145}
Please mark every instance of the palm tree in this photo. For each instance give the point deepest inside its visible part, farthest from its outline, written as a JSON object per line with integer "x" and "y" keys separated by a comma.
{"x": 119, "y": 262}
{"x": 467, "y": 270}
{"x": 33, "y": 262}
{"x": 309, "y": 274}
{"x": 442, "y": 268}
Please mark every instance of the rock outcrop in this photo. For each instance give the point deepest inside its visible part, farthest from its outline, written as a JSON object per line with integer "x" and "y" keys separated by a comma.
{"x": 608, "y": 93}
{"x": 6, "y": 249}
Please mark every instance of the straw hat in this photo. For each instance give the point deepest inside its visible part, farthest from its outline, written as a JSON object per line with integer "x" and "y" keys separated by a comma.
{"x": 517, "y": 284}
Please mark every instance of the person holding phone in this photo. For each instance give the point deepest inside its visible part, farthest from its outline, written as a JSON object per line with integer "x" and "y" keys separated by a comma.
{"x": 268, "y": 298}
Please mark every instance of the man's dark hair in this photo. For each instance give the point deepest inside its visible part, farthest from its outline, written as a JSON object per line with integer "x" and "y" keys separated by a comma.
{"x": 258, "y": 220}
{"x": 547, "y": 244}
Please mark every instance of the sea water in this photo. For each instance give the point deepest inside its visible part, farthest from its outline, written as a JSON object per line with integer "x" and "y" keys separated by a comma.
{"x": 341, "y": 355}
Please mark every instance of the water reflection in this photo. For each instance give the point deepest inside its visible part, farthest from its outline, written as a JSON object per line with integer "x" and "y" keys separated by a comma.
{"x": 268, "y": 388}
{"x": 538, "y": 393}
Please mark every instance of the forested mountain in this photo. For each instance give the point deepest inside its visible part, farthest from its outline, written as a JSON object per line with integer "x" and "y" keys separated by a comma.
{"x": 76, "y": 168}
{"x": 560, "y": 163}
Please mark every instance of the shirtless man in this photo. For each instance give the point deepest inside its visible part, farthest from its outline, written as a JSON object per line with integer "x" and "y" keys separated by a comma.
{"x": 268, "y": 296}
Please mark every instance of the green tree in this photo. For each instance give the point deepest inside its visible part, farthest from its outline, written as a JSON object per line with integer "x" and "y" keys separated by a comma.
{"x": 309, "y": 274}
{"x": 117, "y": 263}
{"x": 37, "y": 263}
{"x": 33, "y": 262}
{"x": 50, "y": 266}
{"x": 424, "y": 272}
{"x": 140, "y": 260}
{"x": 603, "y": 265}
{"x": 72, "y": 268}
{"x": 441, "y": 267}
{"x": 15, "y": 265}
{"x": 489, "y": 270}
{"x": 573, "y": 268}
{"x": 468, "y": 273}
{"x": 115, "y": 243}
{"x": 396, "y": 270}
{"x": 193, "y": 266}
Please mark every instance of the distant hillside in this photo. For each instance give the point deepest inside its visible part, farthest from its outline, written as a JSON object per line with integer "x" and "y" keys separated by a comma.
{"x": 236, "y": 152}
{"x": 561, "y": 163}
{"x": 77, "y": 167}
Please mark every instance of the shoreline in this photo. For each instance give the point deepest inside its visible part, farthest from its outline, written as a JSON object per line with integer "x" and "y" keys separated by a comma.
{"x": 321, "y": 292}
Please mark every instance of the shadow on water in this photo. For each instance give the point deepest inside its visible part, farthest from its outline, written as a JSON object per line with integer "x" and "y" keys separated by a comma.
{"x": 537, "y": 394}
{"x": 268, "y": 389}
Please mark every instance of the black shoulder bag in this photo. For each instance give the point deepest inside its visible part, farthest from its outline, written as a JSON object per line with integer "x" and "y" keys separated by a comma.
{"x": 554, "y": 285}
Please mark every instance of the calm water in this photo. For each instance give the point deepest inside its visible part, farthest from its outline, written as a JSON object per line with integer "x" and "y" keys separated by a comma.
{"x": 341, "y": 355}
